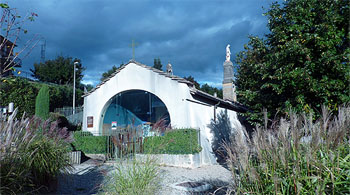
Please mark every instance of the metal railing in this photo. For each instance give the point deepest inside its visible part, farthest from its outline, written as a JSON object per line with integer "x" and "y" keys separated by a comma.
{"x": 77, "y": 118}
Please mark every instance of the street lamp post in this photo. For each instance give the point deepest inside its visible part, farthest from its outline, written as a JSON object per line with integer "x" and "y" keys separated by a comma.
{"x": 75, "y": 63}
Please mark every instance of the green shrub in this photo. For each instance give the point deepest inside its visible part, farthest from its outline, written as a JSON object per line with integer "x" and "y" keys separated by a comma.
{"x": 180, "y": 141}
{"x": 295, "y": 156}
{"x": 90, "y": 144}
{"x": 23, "y": 92}
{"x": 133, "y": 177}
{"x": 47, "y": 159}
{"x": 42, "y": 103}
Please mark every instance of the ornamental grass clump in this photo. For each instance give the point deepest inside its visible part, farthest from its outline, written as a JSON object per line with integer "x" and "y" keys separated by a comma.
{"x": 133, "y": 176}
{"x": 32, "y": 152}
{"x": 295, "y": 156}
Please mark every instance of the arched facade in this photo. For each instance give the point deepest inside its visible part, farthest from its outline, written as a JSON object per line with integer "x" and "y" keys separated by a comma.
{"x": 187, "y": 106}
{"x": 133, "y": 107}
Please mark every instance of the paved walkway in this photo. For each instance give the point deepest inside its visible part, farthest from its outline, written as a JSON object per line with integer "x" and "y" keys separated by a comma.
{"x": 87, "y": 177}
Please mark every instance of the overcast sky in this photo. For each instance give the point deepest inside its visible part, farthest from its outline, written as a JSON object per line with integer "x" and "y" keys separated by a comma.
{"x": 191, "y": 34}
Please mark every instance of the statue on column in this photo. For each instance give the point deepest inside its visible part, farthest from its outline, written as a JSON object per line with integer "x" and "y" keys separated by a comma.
{"x": 169, "y": 69}
{"x": 228, "y": 53}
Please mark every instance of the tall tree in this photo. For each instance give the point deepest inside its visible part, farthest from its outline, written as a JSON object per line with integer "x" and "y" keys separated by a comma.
{"x": 59, "y": 71}
{"x": 157, "y": 64}
{"x": 302, "y": 63}
{"x": 110, "y": 72}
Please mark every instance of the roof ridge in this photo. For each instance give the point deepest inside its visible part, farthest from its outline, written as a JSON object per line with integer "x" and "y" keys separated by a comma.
{"x": 160, "y": 72}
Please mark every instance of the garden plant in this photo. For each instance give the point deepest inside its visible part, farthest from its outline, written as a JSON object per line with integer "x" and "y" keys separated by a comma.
{"x": 296, "y": 155}
{"x": 33, "y": 153}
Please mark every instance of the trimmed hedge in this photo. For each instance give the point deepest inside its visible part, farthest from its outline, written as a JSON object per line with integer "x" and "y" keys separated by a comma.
{"x": 90, "y": 144}
{"x": 180, "y": 141}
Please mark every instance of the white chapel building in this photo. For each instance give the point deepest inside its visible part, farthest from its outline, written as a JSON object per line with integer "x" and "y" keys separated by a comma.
{"x": 137, "y": 94}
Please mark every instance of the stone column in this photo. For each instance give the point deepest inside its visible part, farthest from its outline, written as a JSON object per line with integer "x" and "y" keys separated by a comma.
{"x": 228, "y": 87}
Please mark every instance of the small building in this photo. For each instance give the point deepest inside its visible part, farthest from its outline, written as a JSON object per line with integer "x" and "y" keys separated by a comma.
{"x": 7, "y": 58}
{"x": 138, "y": 94}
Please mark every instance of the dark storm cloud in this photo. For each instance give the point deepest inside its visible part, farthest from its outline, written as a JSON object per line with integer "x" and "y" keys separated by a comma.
{"x": 192, "y": 35}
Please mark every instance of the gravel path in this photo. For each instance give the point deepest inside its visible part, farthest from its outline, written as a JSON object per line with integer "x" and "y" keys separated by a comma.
{"x": 88, "y": 176}
{"x": 215, "y": 175}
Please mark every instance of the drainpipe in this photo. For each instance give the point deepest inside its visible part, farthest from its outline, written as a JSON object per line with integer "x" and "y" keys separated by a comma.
{"x": 215, "y": 106}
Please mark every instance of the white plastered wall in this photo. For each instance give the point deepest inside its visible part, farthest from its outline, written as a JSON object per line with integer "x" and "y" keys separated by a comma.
{"x": 183, "y": 113}
{"x": 172, "y": 93}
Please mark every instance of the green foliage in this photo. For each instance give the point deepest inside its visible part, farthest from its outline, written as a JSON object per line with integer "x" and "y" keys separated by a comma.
{"x": 23, "y": 93}
{"x": 4, "y": 5}
{"x": 157, "y": 64}
{"x": 180, "y": 141}
{"x": 205, "y": 87}
{"x": 59, "y": 71}
{"x": 42, "y": 103}
{"x": 196, "y": 84}
{"x": 90, "y": 144}
{"x": 211, "y": 90}
{"x": 33, "y": 153}
{"x": 294, "y": 156}
{"x": 62, "y": 96}
{"x": 302, "y": 63}
{"x": 48, "y": 158}
{"x": 133, "y": 177}
{"x": 105, "y": 75}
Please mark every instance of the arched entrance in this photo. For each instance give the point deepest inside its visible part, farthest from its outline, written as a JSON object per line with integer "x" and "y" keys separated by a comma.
{"x": 134, "y": 107}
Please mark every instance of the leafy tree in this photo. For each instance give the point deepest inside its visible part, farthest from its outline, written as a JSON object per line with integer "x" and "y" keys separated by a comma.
{"x": 205, "y": 87}
{"x": 211, "y": 90}
{"x": 110, "y": 72}
{"x": 157, "y": 64}
{"x": 59, "y": 71}
{"x": 42, "y": 103}
{"x": 302, "y": 63}
{"x": 190, "y": 78}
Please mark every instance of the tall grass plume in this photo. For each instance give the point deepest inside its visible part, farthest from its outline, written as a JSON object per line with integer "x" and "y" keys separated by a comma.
{"x": 296, "y": 155}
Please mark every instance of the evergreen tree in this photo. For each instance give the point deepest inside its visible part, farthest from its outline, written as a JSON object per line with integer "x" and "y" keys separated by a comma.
{"x": 157, "y": 64}
{"x": 42, "y": 103}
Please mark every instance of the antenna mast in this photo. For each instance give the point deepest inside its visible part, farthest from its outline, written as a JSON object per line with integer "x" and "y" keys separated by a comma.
{"x": 43, "y": 48}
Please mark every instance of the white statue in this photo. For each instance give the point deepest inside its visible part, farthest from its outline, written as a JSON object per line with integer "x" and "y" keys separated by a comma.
{"x": 228, "y": 53}
{"x": 169, "y": 69}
